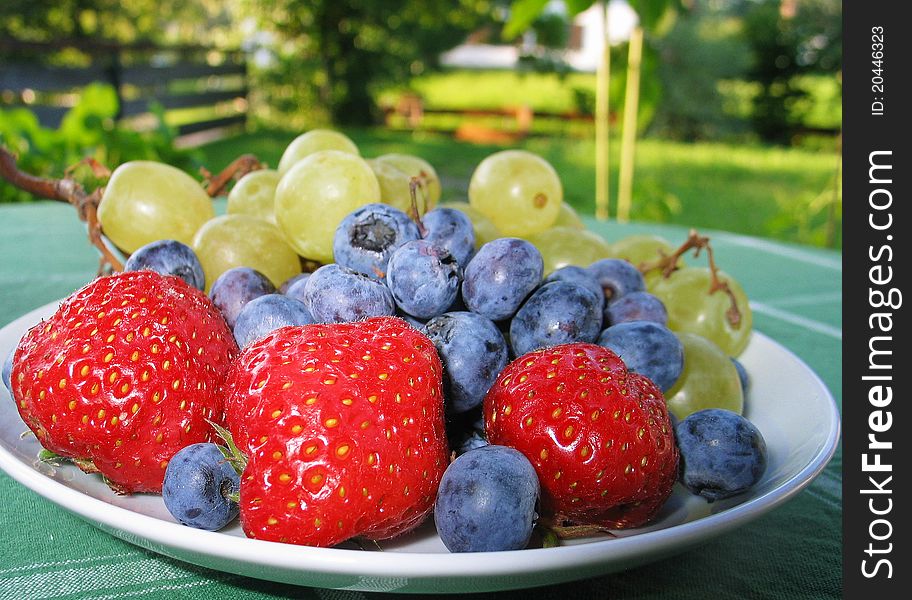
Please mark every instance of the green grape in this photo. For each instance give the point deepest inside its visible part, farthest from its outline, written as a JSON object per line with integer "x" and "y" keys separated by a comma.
{"x": 146, "y": 201}
{"x": 562, "y": 246}
{"x": 314, "y": 141}
{"x": 519, "y": 191}
{"x": 485, "y": 230}
{"x": 568, "y": 217}
{"x": 395, "y": 171}
{"x": 693, "y": 309}
{"x": 254, "y": 195}
{"x": 232, "y": 241}
{"x": 640, "y": 249}
{"x": 709, "y": 379}
{"x": 316, "y": 194}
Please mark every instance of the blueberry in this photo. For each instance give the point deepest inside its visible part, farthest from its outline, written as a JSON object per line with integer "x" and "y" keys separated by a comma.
{"x": 470, "y": 431}
{"x": 556, "y": 313}
{"x": 295, "y": 289}
{"x": 8, "y": 370}
{"x": 470, "y": 441}
{"x": 473, "y": 353}
{"x": 617, "y": 277}
{"x": 368, "y": 236}
{"x": 722, "y": 453}
{"x": 335, "y": 294}
{"x": 423, "y": 278}
{"x": 198, "y": 483}
{"x": 636, "y": 306}
{"x": 267, "y": 313}
{"x": 743, "y": 377}
{"x": 294, "y": 279}
{"x": 169, "y": 257}
{"x": 413, "y": 321}
{"x": 487, "y": 501}
{"x": 579, "y": 276}
{"x": 451, "y": 229}
{"x": 500, "y": 276}
{"x": 236, "y": 287}
{"x": 647, "y": 348}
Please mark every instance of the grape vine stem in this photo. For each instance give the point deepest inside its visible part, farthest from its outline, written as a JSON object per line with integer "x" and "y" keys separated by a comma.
{"x": 65, "y": 190}
{"x": 668, "y": 264}
{"x": 240, "y": 166}
{"x": 68, "y": 190}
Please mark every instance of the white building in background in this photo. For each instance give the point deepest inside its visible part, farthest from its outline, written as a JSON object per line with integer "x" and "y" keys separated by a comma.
{"x": 583, "y": 50}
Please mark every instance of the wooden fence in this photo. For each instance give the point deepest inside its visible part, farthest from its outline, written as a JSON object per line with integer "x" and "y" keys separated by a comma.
{"x": 208, "y": 86}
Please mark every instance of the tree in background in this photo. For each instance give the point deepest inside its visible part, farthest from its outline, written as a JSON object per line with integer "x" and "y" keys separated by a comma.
{"x": 161, "y": 21}
{"x": 346, "y": 48}
{"x": 789, "y": 39}
{"x": 704, "y": 48}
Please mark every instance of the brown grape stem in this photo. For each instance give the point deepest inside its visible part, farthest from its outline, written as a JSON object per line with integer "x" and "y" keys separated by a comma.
{"x": 414, "y": 184}
{"x": 66, "y": 190}
{"x": 668, "y": 264}
{"x": 216, "y": 186}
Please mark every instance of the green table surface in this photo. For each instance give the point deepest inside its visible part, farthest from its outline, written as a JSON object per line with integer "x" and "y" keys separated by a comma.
{"x": 794, "y": 551}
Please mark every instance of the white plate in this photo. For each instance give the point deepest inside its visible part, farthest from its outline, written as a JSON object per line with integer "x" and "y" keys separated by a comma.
{"x": 788, "y": 403}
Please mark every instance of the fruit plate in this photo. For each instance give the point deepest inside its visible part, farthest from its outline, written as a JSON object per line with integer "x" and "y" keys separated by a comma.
{"x": 787, "y": 402}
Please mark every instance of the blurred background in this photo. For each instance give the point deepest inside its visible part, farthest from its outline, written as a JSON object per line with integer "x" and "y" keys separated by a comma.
{"x": 716, "y": 114}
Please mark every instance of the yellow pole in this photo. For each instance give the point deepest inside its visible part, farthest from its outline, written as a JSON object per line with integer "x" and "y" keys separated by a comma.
{"x": 628, "y": 140}
{"x": 602, "y": 178}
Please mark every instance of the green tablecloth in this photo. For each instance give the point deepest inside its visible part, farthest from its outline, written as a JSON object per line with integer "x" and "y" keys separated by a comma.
{"x": 795, "y": 551}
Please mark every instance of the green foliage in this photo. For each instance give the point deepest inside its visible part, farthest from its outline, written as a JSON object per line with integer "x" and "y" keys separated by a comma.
{"x": 703, "y": 50}
{"x": 345, "y": 49}
{"x": 88, "y": 130}
{"x": 786, "y": 47}
{"x": 656, "y": 16}
{"x": 163, "y": 21}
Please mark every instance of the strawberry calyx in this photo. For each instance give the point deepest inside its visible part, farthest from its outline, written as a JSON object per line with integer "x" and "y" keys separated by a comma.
{"x": 233, "y": 455}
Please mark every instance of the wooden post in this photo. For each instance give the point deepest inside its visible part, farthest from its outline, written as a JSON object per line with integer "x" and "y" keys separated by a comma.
{"x": 631, "y": 108}
{"x": 602, "y": 176}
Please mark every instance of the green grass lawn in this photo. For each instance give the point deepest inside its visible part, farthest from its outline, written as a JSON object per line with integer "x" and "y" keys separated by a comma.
{"x": 781, "y": 193}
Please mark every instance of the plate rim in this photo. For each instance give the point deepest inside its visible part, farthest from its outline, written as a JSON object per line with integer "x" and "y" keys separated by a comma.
{"x": 178, "y": 541}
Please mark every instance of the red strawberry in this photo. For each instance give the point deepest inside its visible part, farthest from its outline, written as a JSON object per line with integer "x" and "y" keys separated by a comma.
{"x": 343, "y": 428}
{"x": 599, "y": 437}
{"x": 123, "y": 375}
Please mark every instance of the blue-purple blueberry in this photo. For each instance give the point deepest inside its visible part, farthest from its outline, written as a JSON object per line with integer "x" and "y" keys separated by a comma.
{"x": 556, "y": 313}
{"x": 198, "y": 487}
{"x": 236, "y": 287}
{"x": 487, "y": 500}
{"x": 617, "y": 277}
{"x": 473, "y": 352}
{"x": 451, "y": 229}
{"x": 368, "y": 236}
{"x": 423, "y": 278}
{"x": 169, "y": 257}
{"x": 635, "y": 306}
{"x": 647, "y": 348}
{"x": 500, "y": 276}
{"x": 743, "y": 377}
{"x": 267, "y": 313}
{"x": 335, "y": 294}
{"x": 579, "y": 276}
{"x": 722, "y": 453}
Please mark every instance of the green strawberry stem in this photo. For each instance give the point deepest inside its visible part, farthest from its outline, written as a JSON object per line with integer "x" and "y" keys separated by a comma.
{"x": 52, "y": 458}
{"x": 230, "y": 451}
{"x": 554, "y": 531}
